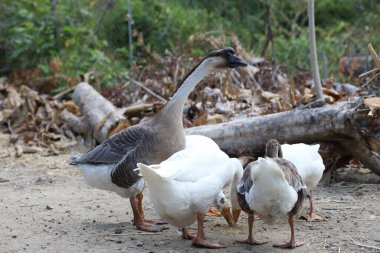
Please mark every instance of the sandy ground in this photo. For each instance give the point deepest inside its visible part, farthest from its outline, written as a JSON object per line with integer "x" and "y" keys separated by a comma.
{"x": 46, "y": 207}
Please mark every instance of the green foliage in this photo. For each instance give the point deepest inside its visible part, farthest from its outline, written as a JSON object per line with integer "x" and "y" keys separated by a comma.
{"x": 36, "y": 35}
{"x": 27, "y": 29}
{"x": 85, "y": 35}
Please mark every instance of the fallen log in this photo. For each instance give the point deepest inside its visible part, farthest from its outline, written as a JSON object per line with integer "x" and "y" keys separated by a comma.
{"x": 100, "y": 116}
{"x": 349, "y": 125}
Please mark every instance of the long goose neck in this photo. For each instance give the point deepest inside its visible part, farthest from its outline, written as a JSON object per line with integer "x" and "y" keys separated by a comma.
{"x": 237, "y": 176}
{"x": 174, "y": 107}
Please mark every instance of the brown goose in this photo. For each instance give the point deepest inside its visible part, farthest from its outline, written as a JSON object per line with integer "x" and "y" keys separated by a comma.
{"x": 110, "y": 166}
{"x": 272, "y": 188}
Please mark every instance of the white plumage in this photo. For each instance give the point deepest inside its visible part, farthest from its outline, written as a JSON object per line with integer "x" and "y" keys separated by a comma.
{"x": 271, "y": 196}
{"x": 271, "y": 188}
{"x": 151, "y": 141}
{"x": 99, "y": 177}
{"x": 307, "y": 160}
{"x": 187, "y": 183}
{"x": 310, "y": 167}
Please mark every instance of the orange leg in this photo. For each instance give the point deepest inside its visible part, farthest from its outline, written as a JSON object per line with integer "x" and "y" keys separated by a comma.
{"x": 292, "y": 243}
{"x": 236, "y": 215}
{"x": 140, "y": 208}
{"x": 250, "y": 239}
{"x": 138, "y": 220}
{"x": 199, "y": 240}
{"x": 140, "y": 197}
{"x": 186, "y": 235}
{"x": 312, "y": 216}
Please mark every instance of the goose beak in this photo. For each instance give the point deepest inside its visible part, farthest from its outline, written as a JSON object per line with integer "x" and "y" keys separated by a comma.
{"x": 234, "y": 61}
{"x": 226, "y": 213}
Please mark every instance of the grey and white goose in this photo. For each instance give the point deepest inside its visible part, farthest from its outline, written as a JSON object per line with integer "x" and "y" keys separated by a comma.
{"x": 110, "y": 166}
{"x": 272, "y": 188}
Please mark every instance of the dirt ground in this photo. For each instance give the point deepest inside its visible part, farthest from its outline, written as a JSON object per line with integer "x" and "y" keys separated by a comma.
{"x": 46, "y": 207}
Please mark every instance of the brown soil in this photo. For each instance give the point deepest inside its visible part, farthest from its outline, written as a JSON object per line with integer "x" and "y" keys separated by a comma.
{"x": 46, "y": 207}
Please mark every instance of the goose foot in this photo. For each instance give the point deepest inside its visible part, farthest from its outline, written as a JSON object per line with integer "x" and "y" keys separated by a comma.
{"x": 150, "y": 228}
{"x": 288, "y": 245}
{"x": 155, "y": 221}
{"x": 312, "y": 217}
{"x": 139, "y": 221}
{"x": 292, "y": 243}
{"x": 199, "y": 239}
{"x": 186, "y": 235}
{"x": 201, "y": 243}
{"x": 252, "y": 241}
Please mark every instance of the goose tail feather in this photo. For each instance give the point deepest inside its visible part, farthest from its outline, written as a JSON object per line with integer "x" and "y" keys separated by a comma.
{"x": 149, "y": 173}
{"x": 73, "y": 160}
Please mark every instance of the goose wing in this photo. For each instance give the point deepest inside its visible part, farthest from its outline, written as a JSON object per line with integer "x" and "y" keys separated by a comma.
{"x": 244, "y": 186}
{"x": 190, "y": 165}
{"x": 291, "y": 174}
{"x": 117, "y": 147}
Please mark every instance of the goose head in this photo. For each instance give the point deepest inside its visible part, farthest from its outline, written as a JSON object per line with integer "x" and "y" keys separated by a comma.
{"x": 215, "y": 61}
{"x": 223, "y": 58}
{"x": 273, "y": 149}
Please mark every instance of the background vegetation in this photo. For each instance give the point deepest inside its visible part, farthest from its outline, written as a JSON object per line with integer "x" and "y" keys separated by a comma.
{"x": 74, "y": 36}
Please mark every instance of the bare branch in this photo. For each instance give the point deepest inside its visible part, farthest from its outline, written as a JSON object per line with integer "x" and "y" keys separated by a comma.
{"x": 313, "y": 51}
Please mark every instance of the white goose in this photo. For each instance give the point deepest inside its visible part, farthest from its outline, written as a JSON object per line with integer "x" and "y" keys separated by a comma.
{"x": 309, "y": 165}
{"x": 110, "y": 166}
{"x": 271, "y": 188}
{"x": 221, "y": 202}
{"x": 183, "y": 187}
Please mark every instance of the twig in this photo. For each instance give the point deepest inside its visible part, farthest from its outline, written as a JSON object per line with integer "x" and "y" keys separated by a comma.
{"x": 3, "y": 180}
{"x": 141, "y": 73}
{"x": 142, "y": 233}
{"x": 64, "y": 92}
{"x": 368, "y": 72}
{"x": 5, "y": 155}
{"x": 363, "y": 245}
{"x": 374, "y": 55}
{"x": 29, "y": 205}
{"x": 370, "y": 80}
{"x": 177, "y": 69}
{"x": 146, "y": 89}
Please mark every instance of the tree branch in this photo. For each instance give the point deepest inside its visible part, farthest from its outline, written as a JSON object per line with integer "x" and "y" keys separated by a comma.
{"x": 313, "y": 51}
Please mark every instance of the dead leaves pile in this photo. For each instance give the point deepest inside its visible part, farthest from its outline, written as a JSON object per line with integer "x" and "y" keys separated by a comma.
{"x": 261, "y": 88}
{"x": 34, "y": 119}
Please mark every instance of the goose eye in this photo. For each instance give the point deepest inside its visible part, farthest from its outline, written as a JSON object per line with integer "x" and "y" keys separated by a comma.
{"x": 229, "y": 50}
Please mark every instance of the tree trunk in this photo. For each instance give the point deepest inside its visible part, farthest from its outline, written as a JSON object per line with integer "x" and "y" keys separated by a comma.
{"x": 346, "y": 124}
{"x": 99, "y": 114}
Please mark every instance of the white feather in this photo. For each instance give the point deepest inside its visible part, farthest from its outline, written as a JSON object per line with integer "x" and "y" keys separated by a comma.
{"x": 99, "y": 177}
{"x": 189, "y": 181}
{"x": 270, "y": 196}
{"x": 307, "y": 160}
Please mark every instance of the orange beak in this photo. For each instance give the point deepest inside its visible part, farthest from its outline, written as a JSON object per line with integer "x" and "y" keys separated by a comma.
{"x": 226, "y": 213}
{"x": 213, "y": 212}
